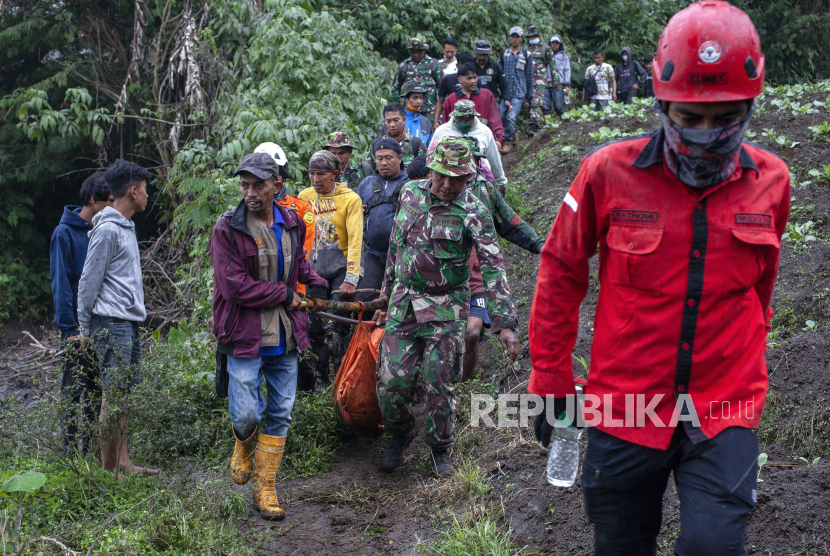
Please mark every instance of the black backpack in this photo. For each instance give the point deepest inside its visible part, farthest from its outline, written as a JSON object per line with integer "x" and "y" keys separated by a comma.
{"x": 591, "y": 88}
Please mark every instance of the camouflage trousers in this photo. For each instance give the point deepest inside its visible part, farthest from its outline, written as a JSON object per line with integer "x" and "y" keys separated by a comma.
{"x": 410, "y": 350}
{"x": 534, "y": 107}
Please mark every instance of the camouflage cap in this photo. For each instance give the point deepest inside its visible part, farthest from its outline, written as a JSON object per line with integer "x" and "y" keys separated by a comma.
{"x": 417, "y": 43}
{"x": 464, "y": 108}
{"x": 533, "y": 31}
{"x": 452, "y": 157}
{"x": 323, "y": 161}
{"x": 412, "y": 87}
{"x": 338, "y": 139}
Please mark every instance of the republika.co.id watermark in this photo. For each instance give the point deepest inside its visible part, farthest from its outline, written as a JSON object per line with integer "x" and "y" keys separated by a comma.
{"x": 519, "y": 410}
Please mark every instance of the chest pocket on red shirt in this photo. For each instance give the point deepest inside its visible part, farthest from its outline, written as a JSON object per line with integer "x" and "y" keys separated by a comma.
{"x": 746, "y": 258}
{"x": 635, "y": 258}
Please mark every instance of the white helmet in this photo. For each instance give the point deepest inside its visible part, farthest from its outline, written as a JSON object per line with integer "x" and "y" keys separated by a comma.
{"x": 274, "y": 150}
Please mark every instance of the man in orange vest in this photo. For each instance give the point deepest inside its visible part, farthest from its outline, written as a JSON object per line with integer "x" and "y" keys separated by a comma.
{"x": 303, "y": 208}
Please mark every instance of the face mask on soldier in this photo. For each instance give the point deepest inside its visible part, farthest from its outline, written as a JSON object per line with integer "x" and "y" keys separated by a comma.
{"x": 464, "y": 127}
{"x": 534, "y": 41}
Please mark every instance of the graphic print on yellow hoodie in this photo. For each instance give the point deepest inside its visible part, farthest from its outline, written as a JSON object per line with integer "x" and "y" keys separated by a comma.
{"x": 339, "y": 225}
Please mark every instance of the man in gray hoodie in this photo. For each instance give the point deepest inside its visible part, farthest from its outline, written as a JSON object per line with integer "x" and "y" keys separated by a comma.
{"x": 558, "y": 89}
{"x": 111, "y": 301}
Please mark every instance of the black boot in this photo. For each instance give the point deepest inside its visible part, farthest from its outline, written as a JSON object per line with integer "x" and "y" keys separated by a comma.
{"x": 393, "y": 454}
{"x": 442, "y": 462}
{"x": 322, "y": 364}
{"x": 306, "y": 381}
{"x": 534, "y": 129}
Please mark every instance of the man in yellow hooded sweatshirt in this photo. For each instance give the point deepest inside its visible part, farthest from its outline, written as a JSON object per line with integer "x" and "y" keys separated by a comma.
{"x": 338, "y": 240}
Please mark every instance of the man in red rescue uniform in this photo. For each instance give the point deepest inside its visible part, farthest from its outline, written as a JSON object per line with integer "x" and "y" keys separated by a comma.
{"x": 688, "y": 222}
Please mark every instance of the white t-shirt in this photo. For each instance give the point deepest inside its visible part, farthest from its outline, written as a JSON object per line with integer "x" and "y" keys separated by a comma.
{"x": 450, "y": 67}
{"x": 602, "y": 75}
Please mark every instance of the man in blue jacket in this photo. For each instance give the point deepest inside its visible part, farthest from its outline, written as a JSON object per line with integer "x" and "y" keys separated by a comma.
{"x": 67, "y": 252}
{"x": 380, "y": 193}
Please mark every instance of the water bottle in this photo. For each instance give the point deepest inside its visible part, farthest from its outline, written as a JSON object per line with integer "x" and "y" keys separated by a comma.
{"x": 563, "y": 460}
{"x": 567, "y": 99}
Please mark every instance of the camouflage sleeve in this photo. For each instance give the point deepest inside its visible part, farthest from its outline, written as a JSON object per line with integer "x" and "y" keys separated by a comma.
{"x": 397, "y": 85}
{"x": 493, "y": 272}
{"x": 389, "y": 273}
{"x": 510, "y": 226}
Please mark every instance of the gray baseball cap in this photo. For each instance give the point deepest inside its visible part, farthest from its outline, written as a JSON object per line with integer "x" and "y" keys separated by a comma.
{"x": 516, "y": 31}
{"x": 262, "y": 165}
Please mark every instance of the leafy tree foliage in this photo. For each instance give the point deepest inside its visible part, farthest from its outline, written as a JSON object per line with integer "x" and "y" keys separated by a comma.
{"x": 792, "y": 34}
{"x": 303, "y": 75}
{"x": 187, "y": 87}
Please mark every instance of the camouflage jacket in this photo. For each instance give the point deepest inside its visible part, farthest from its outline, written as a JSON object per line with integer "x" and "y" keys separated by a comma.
{"x": 542, "y": 59}
{"x": 427, "y": 264}
{"x": 427, "y": 72}
{"x": 353, "y": 175}
{"x": 508, "y": 224}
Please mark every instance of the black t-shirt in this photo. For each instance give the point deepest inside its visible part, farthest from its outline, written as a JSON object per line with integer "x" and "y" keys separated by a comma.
{"x": 448, "y": 85}
{"x": 490, "y": 77}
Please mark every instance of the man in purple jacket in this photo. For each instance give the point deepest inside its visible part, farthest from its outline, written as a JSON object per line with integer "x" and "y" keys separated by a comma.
{"x": 257, "y": 252}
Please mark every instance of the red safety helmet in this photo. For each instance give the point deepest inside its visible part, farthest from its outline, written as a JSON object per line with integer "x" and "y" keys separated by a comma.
{"x": 709, "y": 52}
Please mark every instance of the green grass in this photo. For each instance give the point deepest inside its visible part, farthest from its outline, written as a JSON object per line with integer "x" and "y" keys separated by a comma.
{"x": 480, "y": 538}
{"x": 88, "y": 509}
{"x": 177, "y": 424}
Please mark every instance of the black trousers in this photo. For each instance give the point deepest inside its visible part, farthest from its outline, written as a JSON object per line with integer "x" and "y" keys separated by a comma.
{"x": 623, "y": 485}
{"x": 308, "y": 370}
{"x": 80, "y": 397}
{"x": 626, "y": 97}
{"x": 374, "y": 268}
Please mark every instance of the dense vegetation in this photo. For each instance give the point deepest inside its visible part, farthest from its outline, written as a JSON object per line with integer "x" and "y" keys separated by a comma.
{"x": 185, "y": 87}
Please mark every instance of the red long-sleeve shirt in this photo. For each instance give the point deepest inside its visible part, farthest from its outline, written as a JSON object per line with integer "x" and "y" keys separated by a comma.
{"x": 485, "y": 105}
{"x": 686, "y": 277}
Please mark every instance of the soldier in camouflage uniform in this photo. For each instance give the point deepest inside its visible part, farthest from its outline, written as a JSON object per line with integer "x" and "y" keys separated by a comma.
{"x": 508, "y": 225}
{"x": 422, "y": 68}
{"x": 542, "y": 58}
{"x": 350, "y": 170}
{"x": 436, "y": 227}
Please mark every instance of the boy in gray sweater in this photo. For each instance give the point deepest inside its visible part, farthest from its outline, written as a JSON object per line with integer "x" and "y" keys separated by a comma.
{"x": 111, "y": 301}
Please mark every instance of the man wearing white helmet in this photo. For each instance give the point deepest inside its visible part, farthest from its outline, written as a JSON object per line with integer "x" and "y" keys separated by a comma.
{"x": 303, "y": 208}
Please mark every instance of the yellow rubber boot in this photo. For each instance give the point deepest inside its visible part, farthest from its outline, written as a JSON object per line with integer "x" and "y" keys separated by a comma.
{"x": 548, "y": 118}
{"x": 243, "y": 451}
{"x": 269, "y": 451}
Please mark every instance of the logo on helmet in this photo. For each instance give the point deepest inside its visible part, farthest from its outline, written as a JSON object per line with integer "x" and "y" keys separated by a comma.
{"x": 709, "y": 52}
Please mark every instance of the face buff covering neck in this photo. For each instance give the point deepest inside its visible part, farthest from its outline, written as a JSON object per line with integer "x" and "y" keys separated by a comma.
{"x": 702, "y": 157}
{"x": 464, "y": 127}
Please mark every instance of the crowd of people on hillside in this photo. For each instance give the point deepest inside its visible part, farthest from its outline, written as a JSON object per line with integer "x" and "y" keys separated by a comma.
{"x": 415, "y": 225}
{"x": 535, "y": 79}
